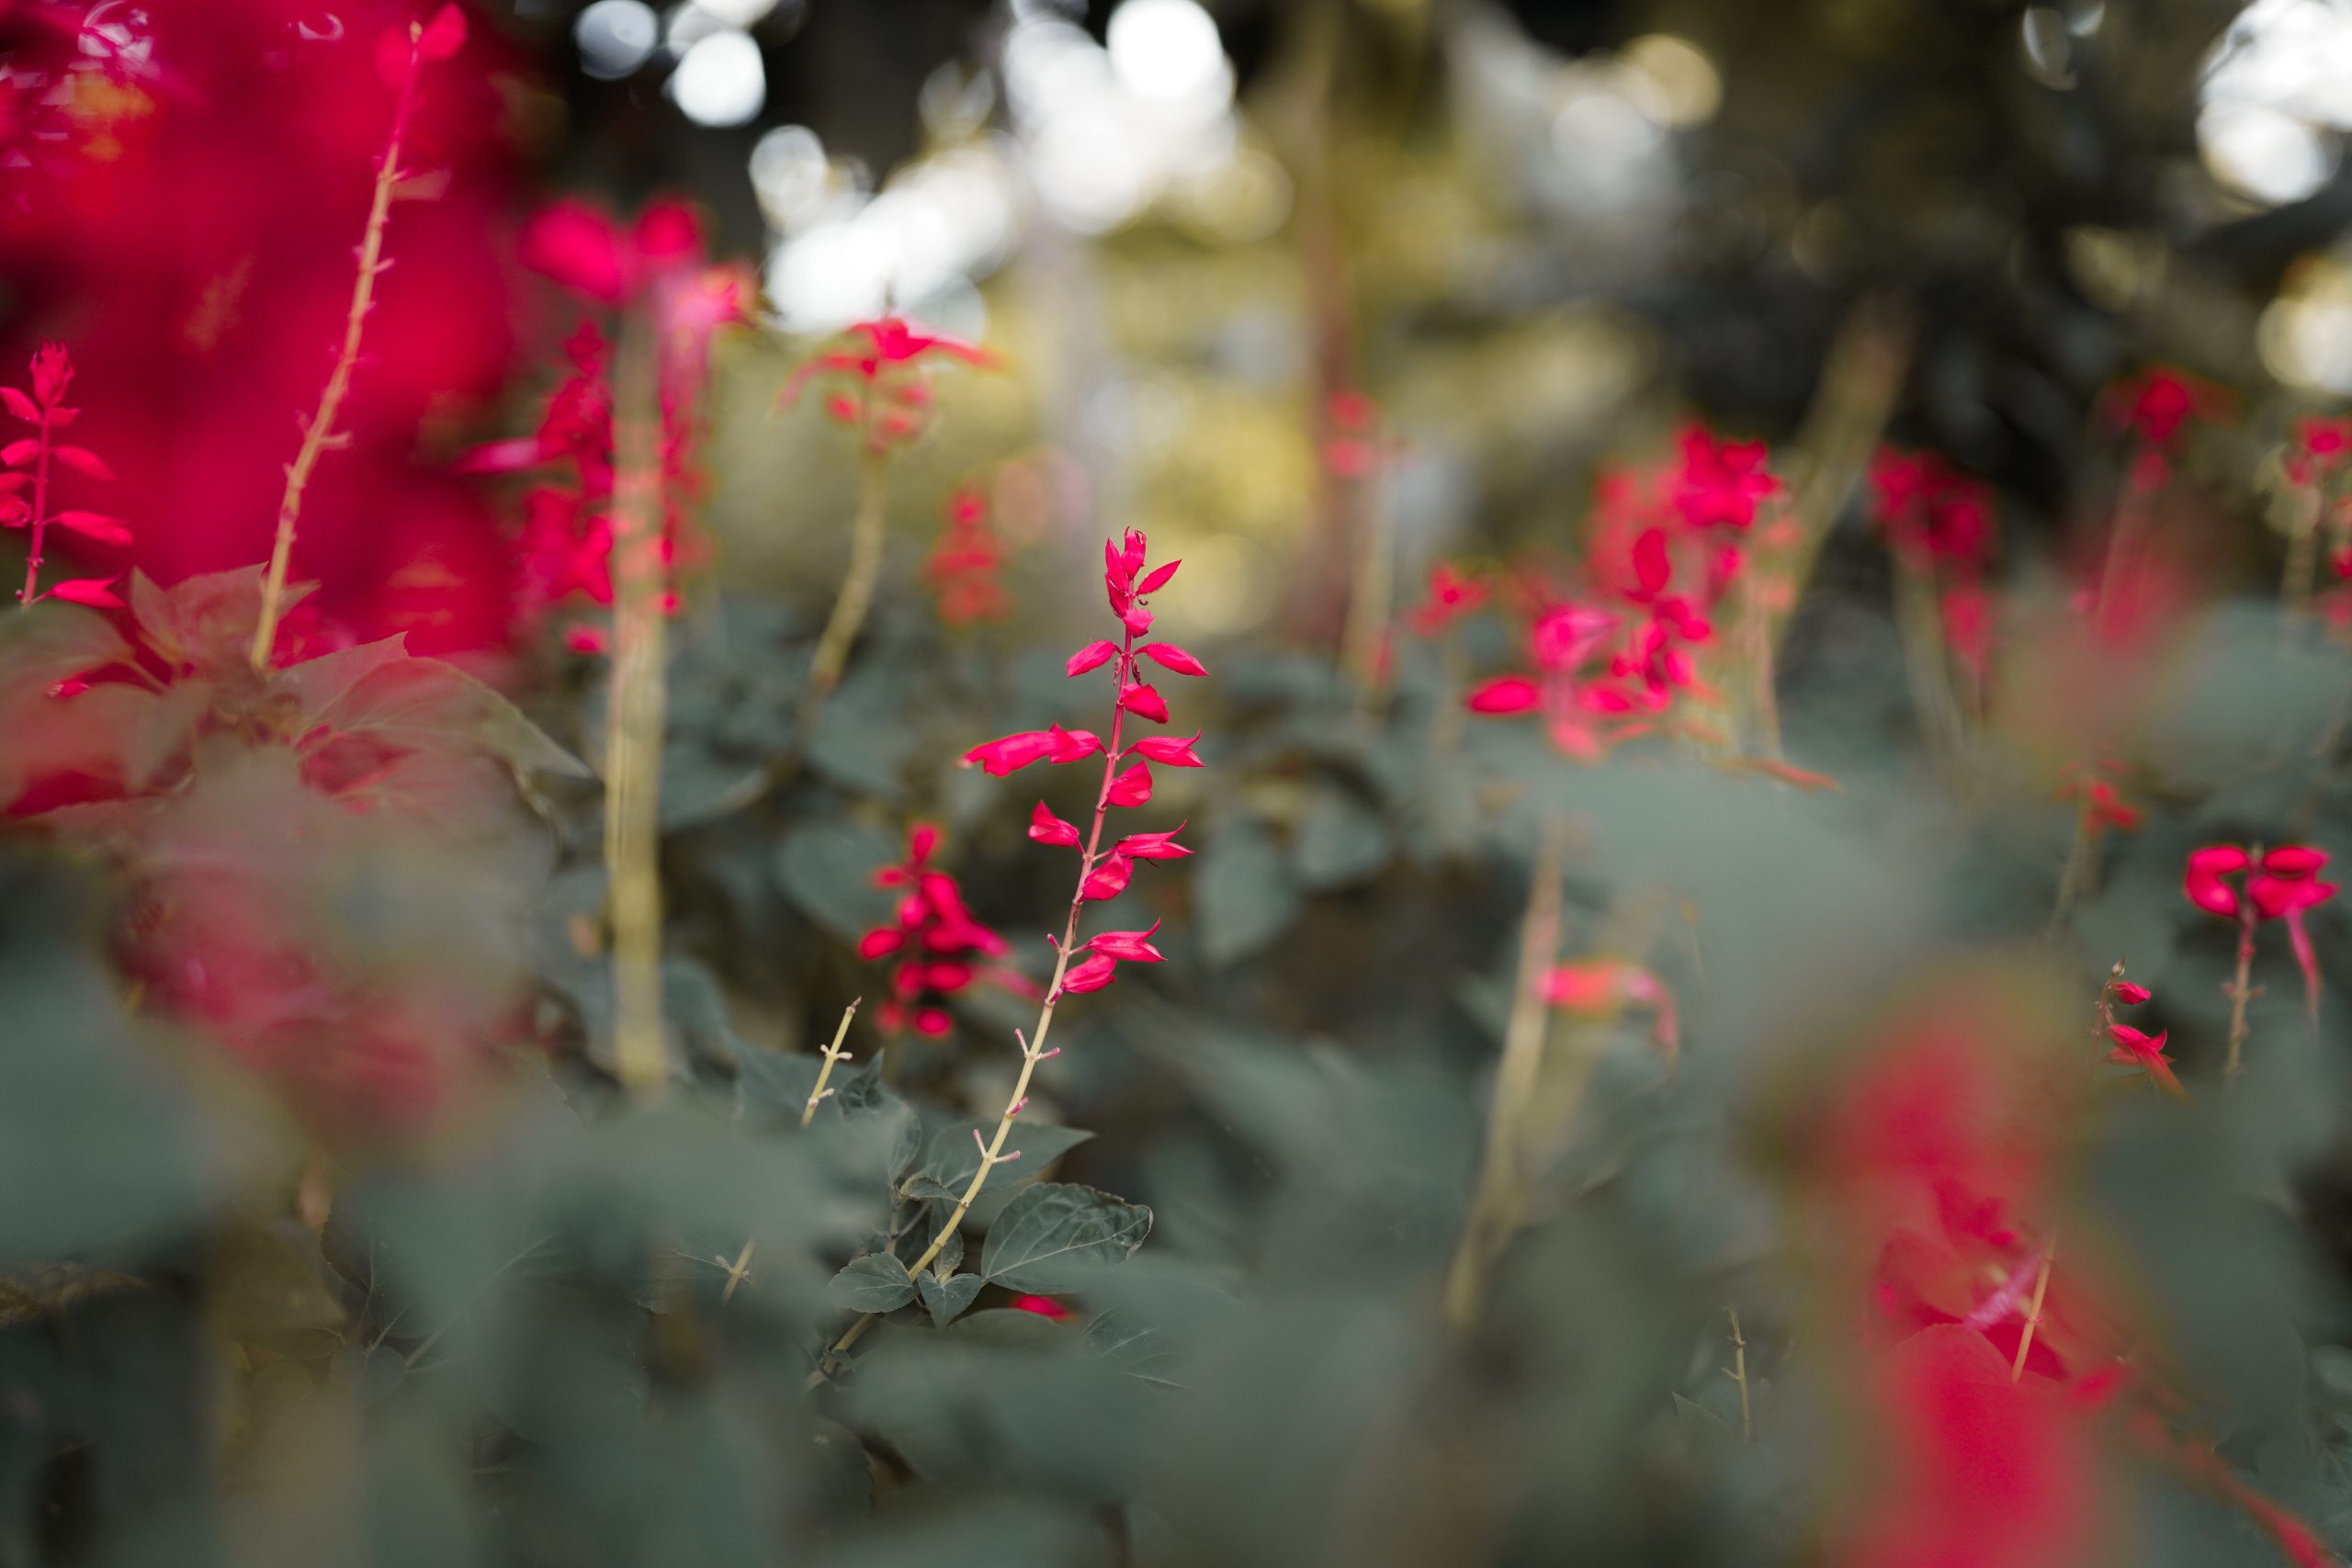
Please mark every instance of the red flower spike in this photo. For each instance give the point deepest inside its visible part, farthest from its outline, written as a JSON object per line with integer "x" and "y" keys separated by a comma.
{"x": 934, "y": 937}
{"x": 1144, "y": 702}
{"x": 1132, "y": 787}
{"x": 1048, "y": 828}
{"x": 1092, "y": 656}
{"x": 1168, "y": 656}
{"x": 1168, "y": 750}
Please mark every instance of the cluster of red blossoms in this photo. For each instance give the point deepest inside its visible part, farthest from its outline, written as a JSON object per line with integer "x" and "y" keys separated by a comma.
{"x": 1664, "y": 559}
{"x": 2134, "y": 1047}
{"x": 1939, "y": 525}
{"x": 883, "y": 394}
{"x": 567, "y": 543}
{"x": 1104, "y": 874}
{"x": 961, "y": 571}
{"x": 934, "y": 939}
{"x": 28, "y": 462}
{"x": 1452, "y": 594}
{"x": 2252, "y": 886}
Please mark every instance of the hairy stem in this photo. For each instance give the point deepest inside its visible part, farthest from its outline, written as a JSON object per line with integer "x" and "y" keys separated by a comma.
{"x": 1738, "y": 1374}
{"x": 2241, "y": 991}
{"x": 1033, "y": 1049}
{"x": 833, "y": 1053}
{"x": 857, "y": 588}
{"x": 2033, "y": 1309}
{"x": 634, "y": 719}
{"x": 1496, "y": 1197}
{"x": 317, "y": 430}
{"x": 40, "y": 519}
{"x": 1372, "y": 595}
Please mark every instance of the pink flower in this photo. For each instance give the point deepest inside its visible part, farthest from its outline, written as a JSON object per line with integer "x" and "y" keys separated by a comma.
{"x": 1128, "y": 947}
{"x": 1168, "y": 750}
{"x": 1452, "y": 595}
{"x": 2134, "y": 1048}
{"x": 2282, "y": 885}
{"x": 1048, "y": 828}
{"x": 1722, "y": 482}
{"x": 934, "y": 939}
{"x": 887, "y": 396}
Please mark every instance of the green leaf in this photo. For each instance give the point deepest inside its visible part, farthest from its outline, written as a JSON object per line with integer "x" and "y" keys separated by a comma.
{"x": 316, "y": 685}
{"x": 1341, "y": 839}
{"x": 1056, "y": 1236}
{"x": 827, "y": 870}
{"x": 952, "y": 1158}
{"x": 947, "y": 1297}
{"x": 426, "y": 705}
{"x": 1244, "y": 895}
{"x": 51, "y": 642}
{"x": 207, "y": 621}
{"x": 876, "y": 1283}
{"x": 1136, "y": 1349}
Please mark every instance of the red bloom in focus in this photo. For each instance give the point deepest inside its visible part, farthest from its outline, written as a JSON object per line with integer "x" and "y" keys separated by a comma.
{"x": 885, "y": 395}
{"x": 1722, "y": 482}
{"x": 935, "y": 941}
{"x": 2281, "y": 886}
{"x": 1452, "y": 595}
{"x": 1127, "y": 581}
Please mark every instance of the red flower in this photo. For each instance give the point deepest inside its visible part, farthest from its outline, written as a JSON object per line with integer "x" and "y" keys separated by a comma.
{"x": 1722, "y": 482}
{"x": 961, "y": 571}
{"x": 2134, "y": 1048}
{"x": 2280, "y": 886}
{"x": 2320, "y": 449}
{"x": 934, "y": 937}
{"x": 887, "y": 396}
{"x": 2158, "y": 405}
{"x": 1563, "y": 639}
{"x": 52, "y": 373}
{"x": 1452, "y": 595}
{"x": 1930, "y": 512}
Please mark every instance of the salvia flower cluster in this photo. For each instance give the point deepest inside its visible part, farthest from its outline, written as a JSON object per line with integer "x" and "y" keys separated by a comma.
{"x": 936, "y": 943}
{"x": 879, "y": 387}
{"x": 1611, "y": 661}
{"x": 29, "y": 465}
{"x": 1103, "y": 872}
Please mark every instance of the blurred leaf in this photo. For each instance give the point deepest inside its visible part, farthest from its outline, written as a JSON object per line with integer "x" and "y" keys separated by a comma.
{"x": 952, "y": 1159}
{"x": 1340, "y": 840}
{"x": 876, "y": 1282}
{"x": 317, "y": 684}
{"x": 947, "y": 1297}
{"x": 827, "y": 870}
{"x": 1054, "y": 1237}
{"x": 1244, "y": 895}
{"x": 1137, "y": 1349}
{"x": 426, "y": 705}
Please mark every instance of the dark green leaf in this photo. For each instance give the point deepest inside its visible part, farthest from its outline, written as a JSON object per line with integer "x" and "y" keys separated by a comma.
{"x": 1341, "y": 839}
{"x": 953, "y": 1158}
{"x": 425, "y": 703}
{"x": 876, "y": 1283}
{"x": 1244, "y": 895}
{"x": 828, "y": 873}
{"x": 945, "y": 1298}
{"x": 1054, "y": 1236}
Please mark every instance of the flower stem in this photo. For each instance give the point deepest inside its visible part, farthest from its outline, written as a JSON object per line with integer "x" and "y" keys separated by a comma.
{"x": 635, "y": 720}
{"x": 317, "y": 430}
{"x": 1738, "y": 1374}
{"x": 856, "y": 594}
{"x": 40, "y": 519}
{"x": 2240, "y": 993}
{"x": 1372, "y": 595}
{"x": 2033, "y": 1309}
{"x": 1496, "y": 1199}
{"x": 833, "y": 1053}
{"x": 1033, "y": 1049}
